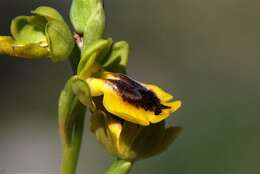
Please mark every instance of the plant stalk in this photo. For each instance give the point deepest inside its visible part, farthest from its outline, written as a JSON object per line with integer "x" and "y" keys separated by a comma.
{"x": 120, "y": 167}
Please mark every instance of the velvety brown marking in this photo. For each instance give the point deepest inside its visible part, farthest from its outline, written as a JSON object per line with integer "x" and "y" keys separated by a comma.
{"x": 137, "y": 94}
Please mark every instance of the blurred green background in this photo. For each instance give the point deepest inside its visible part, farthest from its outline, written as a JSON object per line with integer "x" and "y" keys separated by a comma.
{"x": 205, "y": 52}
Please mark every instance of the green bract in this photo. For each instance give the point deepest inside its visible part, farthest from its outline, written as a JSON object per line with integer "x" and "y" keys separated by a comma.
{"x": 44, "y": 34}
{"x": 70, "y": 109}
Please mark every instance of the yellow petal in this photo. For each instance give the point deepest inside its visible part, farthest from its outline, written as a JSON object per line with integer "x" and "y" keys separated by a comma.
{"x": 98, "y": 126}
{"x": 115, "y": 129}
{"x": 96, "y": 86}
{"x": 163, "y": 95}
{"x": 31, "y": 50}
{"x": 174, "y": 105}
{"x": 6, "y": 45}
{"x": 115, "y": 105}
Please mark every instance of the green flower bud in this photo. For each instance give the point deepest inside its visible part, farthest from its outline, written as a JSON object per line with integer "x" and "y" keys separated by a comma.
{"x": 130, "y": 141}
{"x": 87, "y": 17}
{"x": 44, "y": 34}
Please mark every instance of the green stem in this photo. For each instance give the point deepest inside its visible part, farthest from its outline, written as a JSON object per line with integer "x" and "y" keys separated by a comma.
{"x": 120, "y": 167}
{"x": 88, "y": 13}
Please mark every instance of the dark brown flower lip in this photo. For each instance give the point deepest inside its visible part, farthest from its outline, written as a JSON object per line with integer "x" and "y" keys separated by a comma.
{"x": 137, "y": 94}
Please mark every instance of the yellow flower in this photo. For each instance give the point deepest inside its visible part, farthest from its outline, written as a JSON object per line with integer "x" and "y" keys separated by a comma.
{"x": 132, "y": 101}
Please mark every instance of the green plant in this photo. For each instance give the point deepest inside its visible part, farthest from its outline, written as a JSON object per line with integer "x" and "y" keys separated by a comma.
{"x": 127, "y": 117}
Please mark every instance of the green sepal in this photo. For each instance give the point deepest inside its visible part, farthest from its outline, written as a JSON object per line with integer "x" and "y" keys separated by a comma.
{"x": 59, "y": 39}
{"x": 148, "y": 139}
{"x": 48, "y": 13}
{"x": 58, "y": 34}
{"x": 90, "y": 67}
{"x": 82, "y": 90}
{"x": 118, "y": 58}
{"x": 28, "y": 29}
{"x": 137, "y": 141}
{"x": 153, "y": 140}
{"x": 111, "y": 57}
{"x": 170, "y": 135}
{"x": 88, "y": 56}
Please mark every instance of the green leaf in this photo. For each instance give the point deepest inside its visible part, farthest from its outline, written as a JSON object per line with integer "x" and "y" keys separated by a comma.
{"x": 60, "y": 40}
{"x": 66, "y": 103}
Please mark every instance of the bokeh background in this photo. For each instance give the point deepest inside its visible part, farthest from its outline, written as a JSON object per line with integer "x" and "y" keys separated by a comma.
{"x": 205, "y": 52}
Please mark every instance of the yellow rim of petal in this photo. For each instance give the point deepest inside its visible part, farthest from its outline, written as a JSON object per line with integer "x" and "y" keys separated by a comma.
{"x": 161, "y": 94}
{"x": 96, "y": 86}
{"x": 166, "y": 112}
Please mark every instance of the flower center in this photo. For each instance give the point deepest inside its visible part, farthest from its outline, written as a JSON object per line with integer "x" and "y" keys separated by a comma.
{"x": 136, "y": 94}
